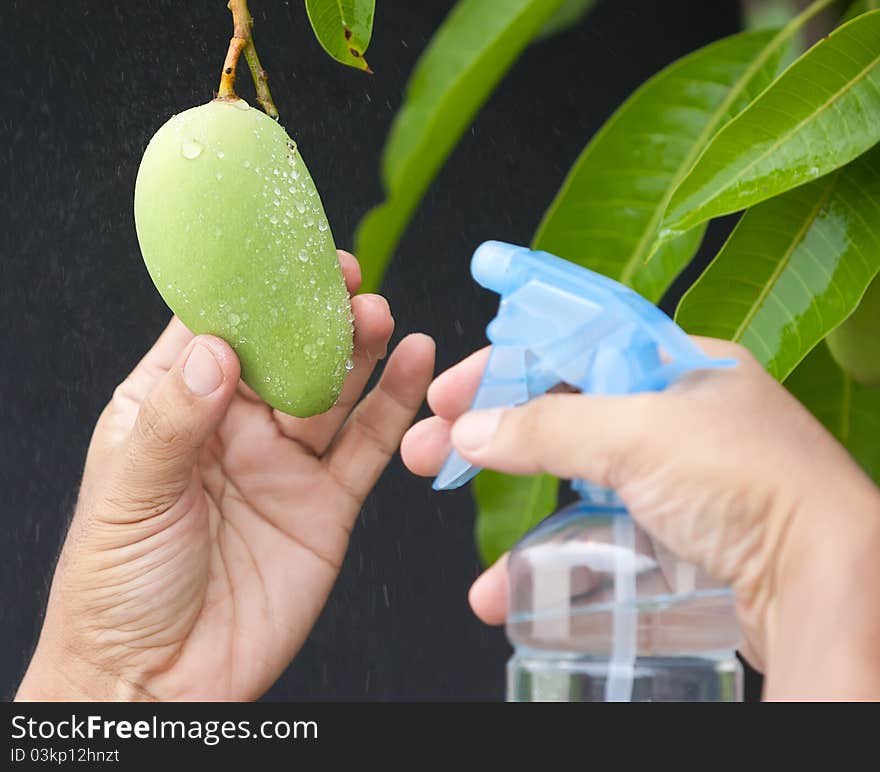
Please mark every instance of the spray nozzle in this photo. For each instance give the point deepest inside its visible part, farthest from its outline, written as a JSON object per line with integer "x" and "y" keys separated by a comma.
{"x": 559, "y": 323}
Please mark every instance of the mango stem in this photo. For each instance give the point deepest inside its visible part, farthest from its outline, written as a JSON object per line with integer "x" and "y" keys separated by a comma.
{"x": 242, "y": 40}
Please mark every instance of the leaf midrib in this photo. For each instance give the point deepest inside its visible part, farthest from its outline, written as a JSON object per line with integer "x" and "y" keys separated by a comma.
{"x": 782, "y": 139}
{"x": 785, "y": 259}
{"x": 648, "y": 234}
{"x": 700, "y": 144}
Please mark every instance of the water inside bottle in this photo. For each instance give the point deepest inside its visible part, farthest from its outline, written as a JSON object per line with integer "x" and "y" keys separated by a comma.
{"x": 565, "y": 616}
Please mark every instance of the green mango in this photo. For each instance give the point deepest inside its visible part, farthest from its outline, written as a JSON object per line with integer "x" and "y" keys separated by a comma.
{"x": 855, "y": 345}
{"x": 235, "y": 238}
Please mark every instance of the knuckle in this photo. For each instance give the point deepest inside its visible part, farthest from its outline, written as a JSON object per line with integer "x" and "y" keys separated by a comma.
{"x": 130, "y": 503}
{"x": 528, "y": 422}
{"x": 120, "y": 394}
{"x": 125, "y": 395}
{"x": 373, "y": 433}
{"x": 546, "y": 429}
{"x": 156, "y": 426}
{"x": 633, "y": 432}
{"x": 557, "y": 409}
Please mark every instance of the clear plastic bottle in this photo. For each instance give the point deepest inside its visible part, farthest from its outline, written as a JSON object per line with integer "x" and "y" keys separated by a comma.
{"x": 598, "y": 611}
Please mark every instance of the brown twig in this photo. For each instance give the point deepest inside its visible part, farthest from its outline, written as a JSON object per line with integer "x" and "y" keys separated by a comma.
{"x": 242, "y": 40}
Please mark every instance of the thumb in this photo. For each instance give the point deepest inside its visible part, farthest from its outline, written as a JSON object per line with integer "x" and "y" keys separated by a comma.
{"x": 567, "y": 435}
{"x": 488, "y": 594}
{"x": 175, "y": 419}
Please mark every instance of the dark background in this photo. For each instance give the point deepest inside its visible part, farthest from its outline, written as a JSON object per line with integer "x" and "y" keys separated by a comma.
{"x": 84, "y": 85}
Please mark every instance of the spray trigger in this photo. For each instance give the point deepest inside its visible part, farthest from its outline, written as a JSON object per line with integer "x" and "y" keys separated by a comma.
{"x": 560, "y": 323}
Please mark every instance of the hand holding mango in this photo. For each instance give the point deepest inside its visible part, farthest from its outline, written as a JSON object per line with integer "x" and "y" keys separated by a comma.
{"x": 236, "y": 240}
{"x": 210, "y": 528}
{"x": 211, "y": 524}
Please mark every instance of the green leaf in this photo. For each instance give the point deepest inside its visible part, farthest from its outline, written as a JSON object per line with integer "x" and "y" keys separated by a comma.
{"x": 776, "y": 13}
{"x": 769, "y": 13}
{"x": 822, "y": 112}
{"x": 794, "y": 267}
{"x": 855, "y": 345}
{"x": 607, "y": 213}
{"x": 570, "y": 13}
{"x": 343, "y": 28}
{"x": 858, "y": 8}
{"x": 508, "y": 507}
{"x": 851, "y": 412}
{"x": 614, "y": 197}
{"x": 476, "y": 44}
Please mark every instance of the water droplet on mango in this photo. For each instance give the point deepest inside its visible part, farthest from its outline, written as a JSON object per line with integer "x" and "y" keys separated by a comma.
{"x": 190, "y": 149}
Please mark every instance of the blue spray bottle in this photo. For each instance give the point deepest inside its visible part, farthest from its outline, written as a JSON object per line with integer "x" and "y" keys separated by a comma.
{"x": 598, "y": 610}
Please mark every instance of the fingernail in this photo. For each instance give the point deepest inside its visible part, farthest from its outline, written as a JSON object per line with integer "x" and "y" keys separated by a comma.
{"x": 201, "y": 371}
{"x": 475, "y": 430}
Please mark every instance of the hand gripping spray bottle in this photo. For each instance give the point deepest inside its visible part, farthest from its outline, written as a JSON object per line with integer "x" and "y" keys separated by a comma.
{"x": 598, "y": 610}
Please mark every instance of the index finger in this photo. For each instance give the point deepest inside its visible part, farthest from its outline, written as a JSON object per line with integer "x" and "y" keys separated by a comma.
{"x": 158, "y": 360}
{"x": 351, "y": 270}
